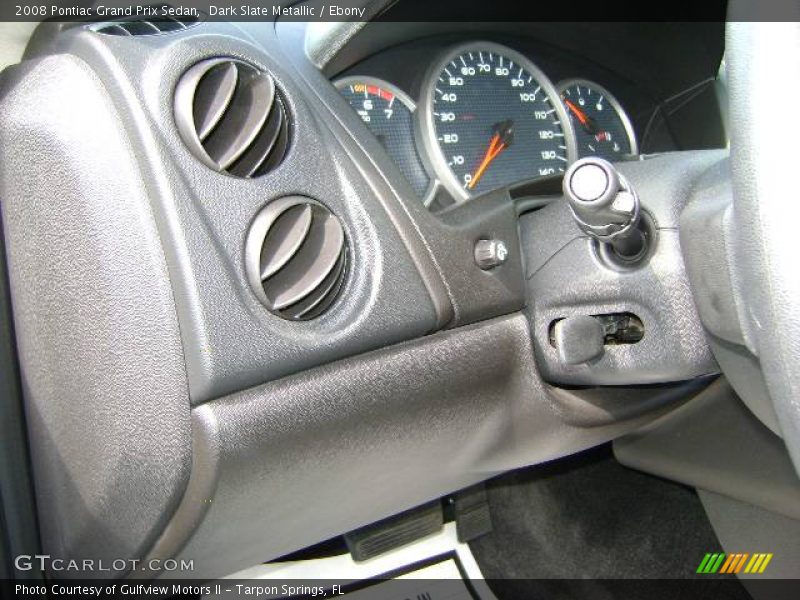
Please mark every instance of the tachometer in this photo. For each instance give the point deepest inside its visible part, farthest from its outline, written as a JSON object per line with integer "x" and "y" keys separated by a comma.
{"x": 602, "y": 128}
{"x": 492, "y": 118}
{"x": 388, "y": 113}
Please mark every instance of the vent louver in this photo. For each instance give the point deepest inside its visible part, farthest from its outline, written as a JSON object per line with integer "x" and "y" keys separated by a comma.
{"x": 232, "y": 117}
{"x": 154, "y": 26}
{"x": 296, "y": 257}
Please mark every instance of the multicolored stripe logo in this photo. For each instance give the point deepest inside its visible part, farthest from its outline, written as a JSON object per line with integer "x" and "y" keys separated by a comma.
{"x": 734, "y": 562}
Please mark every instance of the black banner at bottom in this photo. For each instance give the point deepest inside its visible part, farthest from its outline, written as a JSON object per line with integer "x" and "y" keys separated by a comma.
{"x": 705, "y": 588}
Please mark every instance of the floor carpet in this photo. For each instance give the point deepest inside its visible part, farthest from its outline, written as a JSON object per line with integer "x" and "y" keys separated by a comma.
{"x": 587, "y": 527}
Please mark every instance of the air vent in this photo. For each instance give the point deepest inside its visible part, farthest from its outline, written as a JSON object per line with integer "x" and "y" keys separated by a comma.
{"x": 161, "y": 24}
{"x": 296, "y": 257}
{"x": 232, "y": 117}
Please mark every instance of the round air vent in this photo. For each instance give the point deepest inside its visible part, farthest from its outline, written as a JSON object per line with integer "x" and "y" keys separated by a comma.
{"x": 296, "y": 257}
{"x": 231, "y": 117}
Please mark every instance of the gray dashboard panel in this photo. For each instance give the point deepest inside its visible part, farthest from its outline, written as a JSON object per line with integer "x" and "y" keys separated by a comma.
{"x": 763, "y": 222}
{"x": 230, "y": 341}
{"x": 296, "y": 461}
{"x": 142, "y": 247}
{"x": 566, "y": 278}
{"x": 101, "y": 362}
{"x": 709, "y": 245}
{"x": 715, "y": 443}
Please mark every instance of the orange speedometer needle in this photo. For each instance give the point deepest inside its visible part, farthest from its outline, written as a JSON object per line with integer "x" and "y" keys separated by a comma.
{"x": 495, "y": 148}
{"x": 502, "y": 139}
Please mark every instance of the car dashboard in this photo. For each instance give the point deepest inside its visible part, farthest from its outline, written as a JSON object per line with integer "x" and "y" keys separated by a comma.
{"x": 436, "y": 96}
{"x": 290, "y": 240}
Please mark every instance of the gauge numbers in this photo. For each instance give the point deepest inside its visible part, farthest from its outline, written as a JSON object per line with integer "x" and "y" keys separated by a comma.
{"x": 602, "y": 128}
{"x": 389, "y": 114}
{"x": 491, "y": 119}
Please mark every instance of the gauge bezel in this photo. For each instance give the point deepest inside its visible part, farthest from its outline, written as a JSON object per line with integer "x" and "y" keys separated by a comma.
{"x": 409, "y": 103}
{"x": 433, "y": 150}
{"x": 627, "y": 124}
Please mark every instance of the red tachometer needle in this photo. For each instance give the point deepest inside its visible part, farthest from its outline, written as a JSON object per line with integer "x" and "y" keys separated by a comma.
{"x": 585, "y": 120}
{"x": 502, "y": 139}
{"x": 577, "y": 112}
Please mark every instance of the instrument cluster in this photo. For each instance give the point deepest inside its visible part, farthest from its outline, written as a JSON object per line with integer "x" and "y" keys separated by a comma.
{"x": 488, "y": 117}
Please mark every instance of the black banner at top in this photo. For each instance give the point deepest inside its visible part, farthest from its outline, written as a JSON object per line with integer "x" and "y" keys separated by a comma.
{"x": 402, "y": 10}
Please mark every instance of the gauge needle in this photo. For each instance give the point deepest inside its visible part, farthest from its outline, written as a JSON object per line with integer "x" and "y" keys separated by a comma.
{"x": 503, "y": 137}
{"x": 584, "y": 119}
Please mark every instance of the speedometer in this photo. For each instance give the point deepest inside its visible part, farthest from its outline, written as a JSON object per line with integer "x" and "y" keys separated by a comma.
{"x": 492, "y": 118}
